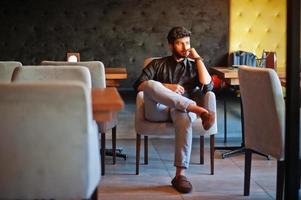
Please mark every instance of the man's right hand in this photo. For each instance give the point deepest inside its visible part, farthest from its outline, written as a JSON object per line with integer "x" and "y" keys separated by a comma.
{"x": 175, "y": 87}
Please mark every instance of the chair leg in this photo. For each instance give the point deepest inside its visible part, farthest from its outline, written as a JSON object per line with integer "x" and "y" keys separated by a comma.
{"x": 94, "y": 195}
{"x": 202, "y": 141}
{"x": 114, "y": 144}
{"x": 248, "y": 163}
{"x": 280, "y": 179}
{"x": 103, "y": 153}
{"x": 138, "y": 143}
{"x": 212, "y": 147}
{"x": 299, "y": 173}
{"x": 145, "y": 150}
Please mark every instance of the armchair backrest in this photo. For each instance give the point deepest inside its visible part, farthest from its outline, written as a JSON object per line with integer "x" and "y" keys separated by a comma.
{"x": 263, "y": 110}
{"x": 96, "y": 69}
{"x": 31, "y": 74}
{"x": 49, "y": 144}
{"x": 7, "y": 69}
{"x": 148, "y": 60}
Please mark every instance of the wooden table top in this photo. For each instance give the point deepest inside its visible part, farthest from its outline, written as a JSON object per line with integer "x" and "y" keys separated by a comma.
{"x": 230, "y": 75}
{"x": 227, "y": 74}
{"x": 105, "y": 101}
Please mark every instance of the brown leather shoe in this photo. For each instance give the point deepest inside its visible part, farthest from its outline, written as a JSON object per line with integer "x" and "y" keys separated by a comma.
{"x": 181, "y": 184}
{"x": 208, "y": 119}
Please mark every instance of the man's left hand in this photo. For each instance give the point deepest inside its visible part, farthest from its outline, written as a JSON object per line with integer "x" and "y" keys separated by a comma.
{"x": 193, "y": 54}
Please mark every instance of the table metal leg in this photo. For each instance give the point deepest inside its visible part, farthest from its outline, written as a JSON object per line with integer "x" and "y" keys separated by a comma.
{"x": 232, "y": 148}
{"x": 225, "y": 120}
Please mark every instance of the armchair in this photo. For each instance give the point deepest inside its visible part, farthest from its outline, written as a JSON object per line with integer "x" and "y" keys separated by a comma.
{"x": 264, "y": 112}
{"x": 148, "y": 128}
{"x": 98, "y": 77}
{"x": 49, "y": 142}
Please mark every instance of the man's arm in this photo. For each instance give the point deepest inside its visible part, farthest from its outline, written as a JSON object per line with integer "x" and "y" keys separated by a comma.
{"x": 204, "y": 76}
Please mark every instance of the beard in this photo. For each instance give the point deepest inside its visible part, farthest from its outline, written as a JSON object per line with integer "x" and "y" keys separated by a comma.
{"x": 178, "y": 55}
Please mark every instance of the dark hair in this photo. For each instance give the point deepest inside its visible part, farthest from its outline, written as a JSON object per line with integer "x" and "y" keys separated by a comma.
{"x": 176, "y": 33}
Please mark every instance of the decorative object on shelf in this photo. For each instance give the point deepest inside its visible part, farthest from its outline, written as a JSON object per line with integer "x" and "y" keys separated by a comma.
{"x": 238, "y": 58}
{"x": 268, "y": 60}
{"x": 73, "y": 57}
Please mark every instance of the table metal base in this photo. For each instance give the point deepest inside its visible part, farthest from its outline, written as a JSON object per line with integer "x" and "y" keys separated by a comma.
{"x": 238, "y": 150}
{"x": 109, "y": 152}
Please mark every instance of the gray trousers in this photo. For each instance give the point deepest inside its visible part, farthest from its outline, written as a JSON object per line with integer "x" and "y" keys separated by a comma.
{"x": 161, "y": 105}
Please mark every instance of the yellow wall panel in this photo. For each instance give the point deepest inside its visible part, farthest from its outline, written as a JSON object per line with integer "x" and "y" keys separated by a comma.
{"x": 257, "y": 25}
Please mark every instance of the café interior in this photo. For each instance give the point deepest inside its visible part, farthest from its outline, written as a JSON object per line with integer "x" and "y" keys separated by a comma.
{"x": 73, "y": 127}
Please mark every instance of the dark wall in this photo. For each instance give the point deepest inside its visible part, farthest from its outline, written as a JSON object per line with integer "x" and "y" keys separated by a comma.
{"x": 116, "y": 32}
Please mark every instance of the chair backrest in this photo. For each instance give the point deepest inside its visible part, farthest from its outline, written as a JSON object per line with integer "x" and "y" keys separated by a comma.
{"x": 46, "y": 148}
{"x": 41, "y": 73}
{"x": 263, "y": 110}
{"x": 7, "y": 69}
{"x": 96, "y": 69}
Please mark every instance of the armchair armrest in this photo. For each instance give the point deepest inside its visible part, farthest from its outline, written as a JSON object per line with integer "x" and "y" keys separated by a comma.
{"x": 145, "y": 127}
{"x": 209, "y": 101}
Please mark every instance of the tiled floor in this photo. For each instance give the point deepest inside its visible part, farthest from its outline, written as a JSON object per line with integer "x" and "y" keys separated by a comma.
{"x": 120, "y": 181}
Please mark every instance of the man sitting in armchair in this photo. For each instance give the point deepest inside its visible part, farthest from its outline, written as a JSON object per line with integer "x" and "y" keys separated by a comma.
{"x": 172, "y": 86}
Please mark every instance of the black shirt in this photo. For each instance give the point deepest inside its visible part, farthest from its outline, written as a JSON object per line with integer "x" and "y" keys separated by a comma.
{"x": 168, "y": 70}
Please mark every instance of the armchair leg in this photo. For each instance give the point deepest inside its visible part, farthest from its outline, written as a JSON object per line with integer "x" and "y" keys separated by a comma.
{"x": 103, "y": 151}
{"x": 212, "y": 147}
{"x": 280, "y": 179}
{"x": 145, "y": 150}
{"x": 138, "y": 143}
{"x": 202, "y": 141}
{"x": 114, "y": 144}
{"x": 248, "y": 163}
